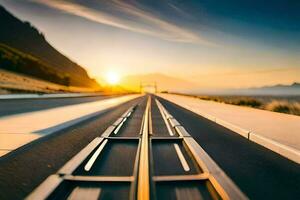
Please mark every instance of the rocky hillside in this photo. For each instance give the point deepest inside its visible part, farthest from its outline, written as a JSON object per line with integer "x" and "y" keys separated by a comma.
{"x": 23, "y": 37}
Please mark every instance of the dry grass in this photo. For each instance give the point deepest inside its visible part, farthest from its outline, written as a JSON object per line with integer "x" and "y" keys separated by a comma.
{"x": 282, "y": 104}
{"x": 18, "y": 83}
{"x": 284, "y": 107}
{"x": 237, "y": 100}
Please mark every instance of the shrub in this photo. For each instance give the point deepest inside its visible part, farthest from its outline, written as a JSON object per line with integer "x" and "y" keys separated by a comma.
{"x": 284, "y": 107}
{"x": 248, "y": 102}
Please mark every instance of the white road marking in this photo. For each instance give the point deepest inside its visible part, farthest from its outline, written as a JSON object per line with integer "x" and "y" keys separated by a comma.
{"x": 181, "y": 158}
{"x": 90, "y": 163}
{"x": 119, "y": 126}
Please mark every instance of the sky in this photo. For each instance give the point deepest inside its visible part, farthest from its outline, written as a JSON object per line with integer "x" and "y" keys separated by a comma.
{"x": 212, "y": 43}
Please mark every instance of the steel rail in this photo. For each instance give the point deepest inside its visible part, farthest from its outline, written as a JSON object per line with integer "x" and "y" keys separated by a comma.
{"x": 143, "y": 177}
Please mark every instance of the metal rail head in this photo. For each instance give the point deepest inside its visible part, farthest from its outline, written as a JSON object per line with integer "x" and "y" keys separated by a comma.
{"x": 143, "y": 178}
{"x": 221, "y": 182}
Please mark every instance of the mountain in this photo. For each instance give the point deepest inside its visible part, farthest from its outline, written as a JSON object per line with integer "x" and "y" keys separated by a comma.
{"x": 164, "y": 82}
{"x": 275, "y": 90}
{"x": 293, "y": 89}
{"x": 26, "y": 39}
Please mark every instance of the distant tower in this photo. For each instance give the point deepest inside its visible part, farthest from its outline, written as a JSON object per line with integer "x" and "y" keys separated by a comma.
{"x": 152, "y": 85}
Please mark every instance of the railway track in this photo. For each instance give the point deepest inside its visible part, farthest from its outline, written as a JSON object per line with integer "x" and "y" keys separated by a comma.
{"x": 145, "y": 154}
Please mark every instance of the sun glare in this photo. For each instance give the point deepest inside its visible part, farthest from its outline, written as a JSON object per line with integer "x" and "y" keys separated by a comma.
{"x": 112, "y": 78}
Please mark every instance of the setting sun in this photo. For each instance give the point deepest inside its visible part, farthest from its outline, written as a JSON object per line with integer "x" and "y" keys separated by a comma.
{"x": 112, "y": 78}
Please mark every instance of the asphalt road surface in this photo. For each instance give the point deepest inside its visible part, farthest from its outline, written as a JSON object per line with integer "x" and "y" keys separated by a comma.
{"x": 16, "y": 106}
{"x": 257, "y": 171}
{"x": 25, "y": 168}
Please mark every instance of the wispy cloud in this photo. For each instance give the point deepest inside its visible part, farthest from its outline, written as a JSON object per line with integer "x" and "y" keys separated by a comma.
{"x": 147, "y": 22}
{"x": 179, "y": 10}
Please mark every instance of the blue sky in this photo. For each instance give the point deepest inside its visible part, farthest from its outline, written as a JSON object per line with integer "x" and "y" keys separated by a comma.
{"x": 216, "y": 44}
